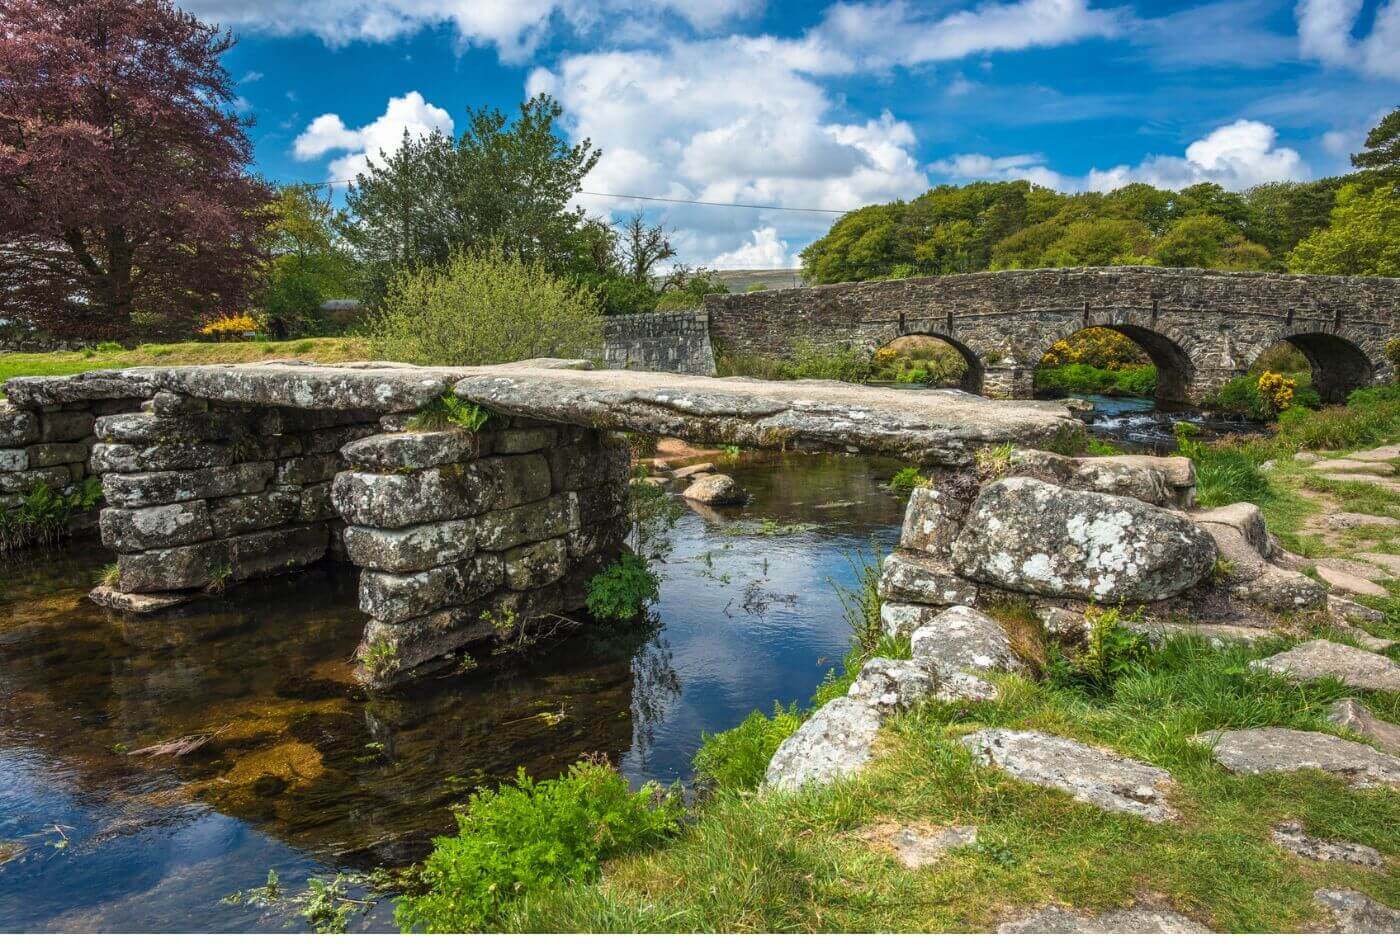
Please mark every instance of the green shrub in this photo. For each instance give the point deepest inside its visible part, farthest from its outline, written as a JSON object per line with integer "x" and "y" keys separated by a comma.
{"x": 623, "y": 590}
{"x": 904, "y": 481}
{"x": 808, "y": 361}
{"x": 111, "y": 346}
{"x": 1083, "y": 378}
{"x": 737, "y": 758}
{"x": 43, "y": 515}
{"x": 529, "y": 836}
{"x": 483, "y": 307}
{"x": 1370, "y": 417}
{"x": 1112, "y": 650}
{"x": 1242, "y": 395}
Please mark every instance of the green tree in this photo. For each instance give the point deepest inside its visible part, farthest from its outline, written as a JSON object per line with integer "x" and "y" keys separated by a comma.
{"x": 1363, "y": 236}
{"x": 1382, "y": 152}
{"x": 306, "y": 262}
{"x": 860, "y": 245}
{"x": 1282, "y": 213}
{"x": 1098, "y": 242}
{"x": 1203, "y": 240}
{"x": 686, "y": 289}
{"x": 506, "y": 184}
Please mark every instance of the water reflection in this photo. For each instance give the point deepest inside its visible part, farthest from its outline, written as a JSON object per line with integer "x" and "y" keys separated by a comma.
{"x": 291, "y": 766}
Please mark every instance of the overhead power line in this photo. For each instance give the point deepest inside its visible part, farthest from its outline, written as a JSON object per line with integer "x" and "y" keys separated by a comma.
{"x": 679, "y": 201}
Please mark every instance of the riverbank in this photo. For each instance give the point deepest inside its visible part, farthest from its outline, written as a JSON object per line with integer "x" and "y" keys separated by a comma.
{"x": 330, "y": 349}
{"x": 828, "y": 859}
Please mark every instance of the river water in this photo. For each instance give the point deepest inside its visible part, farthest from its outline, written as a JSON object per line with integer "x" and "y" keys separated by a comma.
{"x": 306, "y": 774}
{"x": 1138, "y": 426}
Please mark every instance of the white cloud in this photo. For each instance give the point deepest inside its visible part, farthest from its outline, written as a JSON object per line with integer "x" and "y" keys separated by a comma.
{"x": 514, "y": 27}
{"x": 1325, "y": 33}
{"x": 897, "y": 33}
{"x": 728, "y": 120}
{"x": 1239, "y": 155}
{"x": 764, "y": 250}
{"x": 328, "y": 133}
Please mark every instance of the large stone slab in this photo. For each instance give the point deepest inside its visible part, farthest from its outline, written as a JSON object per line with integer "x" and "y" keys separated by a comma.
{"x": 1111, "y": 476}
{"x": 1353, "y": 912}
{"x": 1030, "y": 536}
{"x": 381, "y": 387}
{"x": 911, "y": 577}
{"x": 163, "y": 488}
{"x": 1291, "y": 836}
{"x": 922, "y": 427}
{"x": 1261, "y": 751}
{"x": 1128, "y": 920}
{"x": 393, "y": 598}
{"x": 411, "y": 451}
{"x": 134, "y": 383}
{"x": 164, "y": 526}
{"x": 1092, "y": 775}
{"x": 834, "y": 743}
{"x": 1352, "y": 716}
{"x": 410, "y": 549}
{"x": 1323, "y": 659}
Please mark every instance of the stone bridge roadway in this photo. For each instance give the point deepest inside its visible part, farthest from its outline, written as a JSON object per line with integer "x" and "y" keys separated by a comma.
{"x": 214, "y": 475}
{"x": 1199, "y": 327}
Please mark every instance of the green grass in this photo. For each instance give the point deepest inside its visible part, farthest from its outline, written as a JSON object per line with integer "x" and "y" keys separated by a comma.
{"x": 1083, "y": 378}
{"x": 790, "y": 863}
{"x": 315, "y": 349}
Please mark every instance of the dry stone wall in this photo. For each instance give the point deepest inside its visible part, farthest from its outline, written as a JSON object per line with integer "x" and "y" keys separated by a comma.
{"x": 670, "y": 341}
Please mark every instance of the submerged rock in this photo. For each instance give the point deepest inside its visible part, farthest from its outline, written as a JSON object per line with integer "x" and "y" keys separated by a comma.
{"x": 1029, "y": 536}
{"x": 715, "y": 490}
{"x": 1092, "y": 775}
{"x": 834, "y": 743}
{"x": 1260, "y": 751}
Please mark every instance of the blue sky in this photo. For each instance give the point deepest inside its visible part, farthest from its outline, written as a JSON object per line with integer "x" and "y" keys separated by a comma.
{"x": 811, "y": 105}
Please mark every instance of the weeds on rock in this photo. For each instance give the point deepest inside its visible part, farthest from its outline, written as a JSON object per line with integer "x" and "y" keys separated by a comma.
{"x": 1112, "y": 650}
{"x": 44, "y": 516}
{"x": 623, "y": 590}
{"x": 446, "y": 412}
{"x": 904, "y": 481}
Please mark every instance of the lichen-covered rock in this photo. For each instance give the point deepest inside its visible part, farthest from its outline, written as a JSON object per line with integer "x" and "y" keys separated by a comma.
{"x": 14, "y": 460}
{"x": 1029, "y": 536}
{"x": 1277, "y": 588}
{"x": 240, "y": 514}
{"x": 1128, "y": 920}
{"x": 834, "y": 743}
{"x": 936, "y": 512}
{"x": 1323, "y": 659}
{"x": 715, "y": 490}
{"x": 517, "y": 441}
{"x": 1240, "y": 537}
{"x": 22, "y": 483}
{"x": 1352, "y": 716}
{"x": 1261, "y": 751}
{"x": 308, "y": 469}
{"x": 396, "y": 597}
{"x": 890, "y": 686}
{"x": 1111, "y": 476}
{"x": 1177, "y": 471}
{"x": 164, "y": 526}
{"x": 410, "y": 549}
{"x": 164, "y": 488}
{"x": 48, "y": 454}
{"x": 1096, "y": 776}
{"x": 1291, "y": 836}
{"x": 1353, "y": 912}
{"x": 961, "y": 639}
{"x": 535, "y": 565}
{"x": 411, "y": 451}
{"x": 507, "y": 528}
{"x": 397, "y": 501}
{"x": 1350, "y": 611}
{"x": 911, "y": 577}
{"x": 1349, "y": 583}
{"x": 148, "y": 428}
{"x": 17, "y": 426}
{"x": 277, "y": 551}
{"x": 118, "y": 457}
{"x": 99, "y": 384}
{"x": 901, "y": 620}
{"x": 1159, "y": 632}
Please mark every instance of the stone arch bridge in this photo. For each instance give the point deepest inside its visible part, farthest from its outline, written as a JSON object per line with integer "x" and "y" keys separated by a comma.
{"x": 1200, "y": 327}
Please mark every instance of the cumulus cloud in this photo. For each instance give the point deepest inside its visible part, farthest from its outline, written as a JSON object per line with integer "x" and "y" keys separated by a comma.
{"x": 1325, "y": 30}
{"x": 728, "y": 120}
{"x": 328, "y": 133}
{"x": 1239, "y": 155}
{"x": 764, "y": 250}
{"x": 515, "y": 27}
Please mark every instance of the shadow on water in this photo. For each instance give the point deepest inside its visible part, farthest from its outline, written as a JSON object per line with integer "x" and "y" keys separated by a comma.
{"x": 302, "y": 771}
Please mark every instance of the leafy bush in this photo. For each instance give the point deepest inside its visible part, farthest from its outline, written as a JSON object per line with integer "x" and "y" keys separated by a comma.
{"x": 808, "y": 361}
{"x": 232, "y": 325}
{"x": 1112, "y": 650}
{"x": 737, "y": 758}
{"x": 1261, "y": 397}
{"x": 623, "y": 590}
{"x": 529, "y": 836}
{"x": 1083, "y": 378}
{"x": 483, "y": 307}
{"x": 1099, "y": 347}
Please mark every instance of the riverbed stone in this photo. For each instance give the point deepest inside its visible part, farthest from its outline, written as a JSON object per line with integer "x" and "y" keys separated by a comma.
{"x": 397, "y": 597}
{"x": 834, "y": 743}
{"x": 936, "y": 512}
{"x": 1277, "y": 588}
{"x": 1107, "y": 475}
{"x": 1291, "y": 836}
{"x": 1266, "y": 750}
{"x": 715, "y": 490}
{"x": 1324, "y": 659}
{"x": 1127, "y": 920}
{"x": 912, "y": 577}
{"x": 1353, "y": 912}
{"x": 410, "y": 549}
{"x": 961, "y": 639}
{"x": 538, "y": 564}
{"x": 693, "y": 471}
{"x": 104, "y": 596}
{"x": 397, "y": 501}
{"x": 1353, "y": 716}
{"x": 411, "y": 451}
{"x": 163, "y": 488}
{"x": 1032, "y": 537}
{"x": 1096, "y": 776}
{"x": 506, "y": 528}
{"x": 890, "y": 686}
{"x": 17, "y": 426}
{"x": 129, "y": 530}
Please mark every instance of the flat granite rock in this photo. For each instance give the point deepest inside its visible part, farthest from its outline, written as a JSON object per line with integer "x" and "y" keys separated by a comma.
{"x": 1319, "y": 659}
{"x": 1092, "y": 775}
{"x": 1291, "y": 836}
{"x": 1349, "y": 583}
{"x": 889, "y": 686}
{"x": 1128, "y": 920}
{"x": 834, "y": 743}
{"x": 1355, "y": 717}
{"x": 920, "y": 846}
{"x": 1261, "y": 751}
{"x": 1353, "y": 912}
{"x": 1342, "y": 520}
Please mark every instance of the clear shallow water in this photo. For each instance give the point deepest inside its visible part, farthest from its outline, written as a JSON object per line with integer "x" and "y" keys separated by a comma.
{"x": 306, "y": 773}
{"x": 1137, "y": 423}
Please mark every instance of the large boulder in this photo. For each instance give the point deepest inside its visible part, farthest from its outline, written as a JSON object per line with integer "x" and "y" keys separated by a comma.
{"x": 1026, "y": 535}
{"x": 961, "y": 639}
{"x": 835, "y": 743}
{"x": 1108, "y": 475}
{"x": 715, "y": 490}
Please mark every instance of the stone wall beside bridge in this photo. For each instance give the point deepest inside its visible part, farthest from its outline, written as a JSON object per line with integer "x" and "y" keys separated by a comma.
{"x": 1200, "y": 327}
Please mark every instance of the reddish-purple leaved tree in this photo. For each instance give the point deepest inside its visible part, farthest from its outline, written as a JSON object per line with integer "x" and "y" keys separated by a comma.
{"x": 123, "y": 168}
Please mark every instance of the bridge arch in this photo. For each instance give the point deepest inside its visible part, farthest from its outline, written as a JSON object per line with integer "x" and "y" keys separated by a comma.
{"x": 1168, "y": 350}
{"x": 1339, "y": 364}
{"x": 972, "y": 377}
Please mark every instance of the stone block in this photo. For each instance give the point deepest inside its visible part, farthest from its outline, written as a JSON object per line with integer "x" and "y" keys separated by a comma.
{"x": 163, "y": 488}
{"x": 130, "y": 530}
{"x": 535, "y": 565}
{"x": 399, "y": 647}
{"x": 517, "y": 441}
{"x": 241, "y": 514}
{"x": 149, "y": 428}
{"x": 65, "y": 426}
{"x": 434, "y": 494}
{"x": 22, "y": 483}
{"x": 47, "y": 454}
{"x": 115, "y": 457}
{"x": 177, "y": 404}
{"x": 410, "y": 549}
{"x": 277, "y": 551}
{"x": 600, "y": 536}
{"x": 517, "y": 479}
{"x": 912, "y": 577}
{"x": 195, "y": 565}
{"x": 308, "y": 469}
{"x": 603, "y": 503}
{"x": 507, "y": 528}
{"x": 316, "y": 502}
{"x": 396, "y": 597}
{"x": 17, "y": 426}
{"x": 323, "y": 441}
{"x": 410, "y": 451}
{"x": 936, "y": 512}
{"x": 14, "y": 460}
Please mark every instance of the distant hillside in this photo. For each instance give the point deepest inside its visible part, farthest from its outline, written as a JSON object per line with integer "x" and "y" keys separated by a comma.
{"x": 739, "y": 281}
